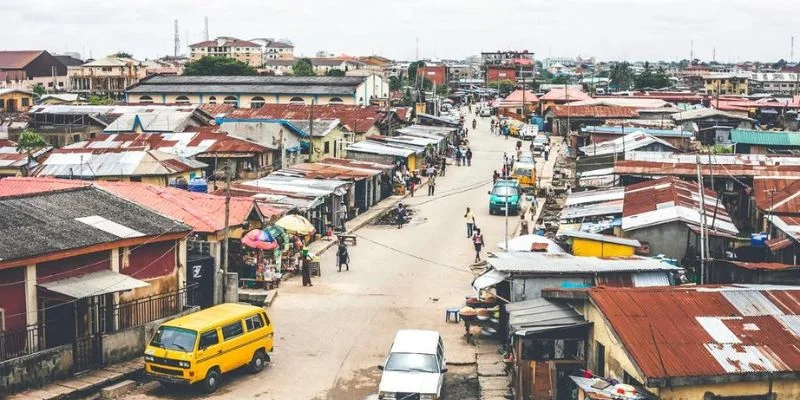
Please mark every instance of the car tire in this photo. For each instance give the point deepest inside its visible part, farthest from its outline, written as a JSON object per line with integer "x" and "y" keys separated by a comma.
{"x": 211, "y": 383}
{"x": 258, "y": 362}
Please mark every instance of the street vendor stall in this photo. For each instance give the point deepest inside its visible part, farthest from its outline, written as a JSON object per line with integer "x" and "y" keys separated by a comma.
{"x": 260, "y": 269}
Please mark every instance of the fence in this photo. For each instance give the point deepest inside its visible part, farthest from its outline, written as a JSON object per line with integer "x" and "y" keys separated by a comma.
{"x": 113, "y": 317}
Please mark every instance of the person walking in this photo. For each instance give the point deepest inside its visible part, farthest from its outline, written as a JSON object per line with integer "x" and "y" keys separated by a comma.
{"x": 431, "y": 184}
{"x": 410, "y": 184}
{"x": 474, "y": 124}
{"x": 444, "y": 165}
{"x": 458, "y": 156}
{"x": 478, "y": 242}
{"x": 546, "y": 151}
{"x": 306, "y": 268}
{"x": 470, "y": 218}
{"x": 342, "y": 255}
{"x": 495, "y": 177}
{"x": 468, "y": 156}
{"x": 401, "y": 215}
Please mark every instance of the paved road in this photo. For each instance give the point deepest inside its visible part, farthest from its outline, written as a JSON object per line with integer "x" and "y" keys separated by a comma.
{"x": 330, "y": 337}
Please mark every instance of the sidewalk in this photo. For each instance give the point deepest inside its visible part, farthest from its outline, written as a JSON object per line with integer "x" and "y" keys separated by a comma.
{"x": 82, "y": 384}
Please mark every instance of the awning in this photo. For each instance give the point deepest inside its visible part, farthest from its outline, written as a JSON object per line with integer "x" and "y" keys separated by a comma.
{"x": 93, "y": 284}
{"x": 541, "y": 315}
{"x": 488, "y": 279}
{"x": 779, "y": 244}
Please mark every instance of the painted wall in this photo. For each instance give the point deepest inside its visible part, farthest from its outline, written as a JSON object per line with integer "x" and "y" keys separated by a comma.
{"x": 530, "y": 288}
{"x": 12, "y": 297}
{"x": 332, "y": 139}
{"x": 36, "y": 370}
{"x": 72, "y": 267}
{"x": 668, "y": 239}
{"x": 15, "y": 102}
{"x": 592, "y": 248}
{"x": 244, "y": 99}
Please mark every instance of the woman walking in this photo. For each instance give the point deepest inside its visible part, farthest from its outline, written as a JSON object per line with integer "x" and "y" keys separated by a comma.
{"x": 477, "y": 240}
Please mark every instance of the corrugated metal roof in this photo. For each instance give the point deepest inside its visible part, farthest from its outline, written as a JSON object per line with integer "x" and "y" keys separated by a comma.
{"x": 619, "y": 130}
{"x": 701, "y": 113}
{"x": 546, "y": 263}
{"x": 92, "y": 163}
{"x": 765, "y": 138}
{"x": 571, "y": 94}
{"x": 632, "y": 102}
{"x": 602, "y": 238}
{"x": 93, "y": 284}
{"x": 780, "y": 196}
{"x": 602, "y": 112}
{"x": 595, "y": 196}
{"x": 379, "y": 148}
{"x": 17, "y": 59}
{"x": 540, "y": 315}
{"x": 359, "y": 119}
{"x": 630, "y": 142}
{"x": 675, "y": 332}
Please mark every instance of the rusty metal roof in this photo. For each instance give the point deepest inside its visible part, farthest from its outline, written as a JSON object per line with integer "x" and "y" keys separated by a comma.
{"x": 595, "y": 112}
{"x": 650, "y": 163}
{"x": 780, "y": 196}
{"x": 571, "y": 94}
{"x": 672, "y": 332}
{"x": 18, "y": 59}
{"x": 358, "y": 119}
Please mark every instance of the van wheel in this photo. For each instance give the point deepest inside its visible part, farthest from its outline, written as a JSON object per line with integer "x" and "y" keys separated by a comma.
{"x": 258, "y": 361}
{"x": 211, "y": 383}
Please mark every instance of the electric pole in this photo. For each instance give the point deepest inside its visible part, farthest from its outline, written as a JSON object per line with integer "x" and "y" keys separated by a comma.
{"x": 225, "y": 260}
{"x": 177, "y": 39}
{"x": 702, "y": 221}
{"x": 205, "y": 31}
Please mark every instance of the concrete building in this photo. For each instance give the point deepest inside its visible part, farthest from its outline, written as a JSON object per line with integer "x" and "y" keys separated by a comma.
{"x": 15, "y": 100}
{"x": 28, "y": 69}
{"x": 521, "y": 61}
{"x": 272, "y": 49}
{"x": 107, "y": 76}
{"x": 775, "y": 82}
{"x": 240, "y": 50}
{"x": 256, "y": 91}
{"x": 438, "y": 74}
{"x": 734, "y": 83}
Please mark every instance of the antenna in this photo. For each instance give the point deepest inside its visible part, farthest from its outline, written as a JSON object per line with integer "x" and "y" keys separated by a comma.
{"x": 177, "y": 39}
{"x": 417, "y": 39}
{"x": 713, "y": 54}
{"x": 791, "y": 53}
{"x": 205, "y": 30}
{"x": 691, "y": 51}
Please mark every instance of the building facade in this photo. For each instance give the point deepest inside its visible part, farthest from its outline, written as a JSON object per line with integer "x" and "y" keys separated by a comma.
{"x": 240, "y": 50}
{"x": 28, "y": 69}
{"x": 727, "y": 84}
{"x": 106, "y": 76}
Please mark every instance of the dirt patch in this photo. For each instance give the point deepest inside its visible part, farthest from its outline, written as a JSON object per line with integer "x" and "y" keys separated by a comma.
{"x": 390, "y": 218}
{"x": 363, "y": 383}
{"x": 461, "y": 383}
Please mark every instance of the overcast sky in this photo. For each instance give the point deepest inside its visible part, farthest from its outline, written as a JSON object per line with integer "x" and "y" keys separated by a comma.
{"x": 607, "y": 29}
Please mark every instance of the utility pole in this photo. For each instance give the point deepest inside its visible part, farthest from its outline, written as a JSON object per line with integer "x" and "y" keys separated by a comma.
{"x": 225, "y": 260}
{"x": 702, "y": 221}
{"x": 205, "y": 30}
{"x": 508, "y": 194}
{"x": 177, "y": 39}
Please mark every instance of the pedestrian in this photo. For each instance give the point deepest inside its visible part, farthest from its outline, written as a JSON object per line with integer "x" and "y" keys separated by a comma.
{"x": 495, "y": 177}
{"x": 444, "y": 164}
{"x": 474, "y": 124}
{"x": 342, "y": 255}
{"x": 468, "y": 156}
{"x": 431, "y": 170}
{"x": 431, "y": 184}
{"x": 546, "y": 151}
{"x": 506, "y": 131}
{"x": 470, "y": 218}
{"x": 401, "y": 215}
{"x": 410, "y": 185}
{"x": 463, "y": 158}
{"x": 477, "y": 240}
{"x": 458, "y": 156}
{"x": 505, "y": 171}
{"x": 306, "y": 268}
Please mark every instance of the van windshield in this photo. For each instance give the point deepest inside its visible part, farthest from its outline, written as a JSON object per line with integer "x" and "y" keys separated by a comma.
{"x": 412, "y": 362}
{"x": 172, "y": 338}
{"x": 505, "y": 191}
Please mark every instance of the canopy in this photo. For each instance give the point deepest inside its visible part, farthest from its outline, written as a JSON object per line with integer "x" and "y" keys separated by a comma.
{"x": 296, "y": 224}
{"x": 488, "y": 279}
{"x": 259, "y": 239}
{"x": 93, "y": 284}
{"x": 525, "y": 243}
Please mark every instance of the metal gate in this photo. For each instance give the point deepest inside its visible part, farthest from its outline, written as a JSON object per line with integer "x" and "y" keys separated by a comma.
{"x": 87, "y": 353}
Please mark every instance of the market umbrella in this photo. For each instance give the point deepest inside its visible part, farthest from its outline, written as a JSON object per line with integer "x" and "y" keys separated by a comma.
{"x": 259, "y": 239}
{"x": 296, "y": 224}
{"x": 526, "y": 242}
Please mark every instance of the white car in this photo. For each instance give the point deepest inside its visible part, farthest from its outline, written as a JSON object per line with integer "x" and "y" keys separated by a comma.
{"x": 414, "y": 368}
{"x": 486, "y": 111}
{"x": 539, "y": 142}
{"x": 528, "y": 132}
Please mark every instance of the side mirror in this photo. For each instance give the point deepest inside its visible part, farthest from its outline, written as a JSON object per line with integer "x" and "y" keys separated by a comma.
{"x": 444, "y": 370}
{"x": 489, "y": 192}
{"x": 380, "y": 367}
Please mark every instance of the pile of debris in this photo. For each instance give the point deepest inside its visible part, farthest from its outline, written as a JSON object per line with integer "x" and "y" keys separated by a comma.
{"x": 556, "y": 195}
{"x": 390, "y": 218}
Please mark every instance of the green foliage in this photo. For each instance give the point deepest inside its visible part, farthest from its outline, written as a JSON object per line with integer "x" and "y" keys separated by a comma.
{"x": 395, "y": 83}
{"x": 100, "y": 101}
{"x": 39, "y": 90}
{"x": 122, "y": 54}
{"x": 652, "y": 79}
{"x": 303, "y": 67}
{"x": 334, "y": 72}
{"x": 217, "y": 66}
{"x": 560, "y": 80}
{"x": 28, "y": 142}
{"x": 443, "y": 90}
{"x": 413, "y": 67}
{"x": 621, "y": 76}
{"x": 504, "y": 86}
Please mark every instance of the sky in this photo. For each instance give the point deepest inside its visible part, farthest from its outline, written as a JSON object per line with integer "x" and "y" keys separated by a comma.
{"x": 630, "y": 30}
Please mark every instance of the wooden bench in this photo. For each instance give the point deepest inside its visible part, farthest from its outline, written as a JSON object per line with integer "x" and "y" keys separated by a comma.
{"x": 351, "y": 238}
{"x": 257, "y": 283}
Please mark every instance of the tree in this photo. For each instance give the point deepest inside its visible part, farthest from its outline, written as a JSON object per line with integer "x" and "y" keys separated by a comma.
{"x": 443, "y": 90}
{"x": 28, "y": 142}
{"x": 652, "y": 79}
{"x": 334, "y": 72}
{"x": 100, "y": 101}
{"x": 303, "y": 67}
{"x": 39, "y": 90}
{"x": 560, "y": 80}
{"x": 122, "y": 54}
{"x": 217, "y": 66}
{"x": 504, "y": 86}
{"x": 621, "y": 76}
{"x": 413, "y": 67}
{"x": 780, "y": 64}
{"x": 395, "y": 83}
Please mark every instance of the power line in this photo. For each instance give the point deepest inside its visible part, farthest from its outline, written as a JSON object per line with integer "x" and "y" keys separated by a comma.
{"x": 414, "y": 255}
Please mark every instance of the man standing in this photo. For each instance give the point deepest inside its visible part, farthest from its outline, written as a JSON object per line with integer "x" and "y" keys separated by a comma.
{"x": 495, "y": 177}
{"x": 477, "y": 240}
{"x": 444, "y": 164}
{"x": 468, "y": 156}
{"x": 401, "y": 215}
{"x": 306, "y": 268}
{"x": 431, "y": 184}
{"x": 342, "y": 256}
{"x": 470, "y": 218}
{"x": 546, "y": 151}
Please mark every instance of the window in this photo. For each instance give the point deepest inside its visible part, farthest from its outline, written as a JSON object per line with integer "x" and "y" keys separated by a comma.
{"x": 2, "y": 104}
{"x": 335, "y": 100}
{"x": 209, "y": 339}
{"x": 25, "y": 101}
{"x": 182, "y": 100}
{"x": 106, "y": 69}
{"x": 231, "y": 331}
{"x": 2, "y": 320}
{"x": 600, "y": 359}
{"x": 49, "y": 84}
{"x": 326, "y": 147}
{"x": 257, "y": 102}
{"x": 297, "y": 100}
{"x": 146, "y": 100}
{"x": 254, "y": 322}
{"x": 172, "y": 338}
{"x": 212, "y": 100}
{"x": 231, "y": 101}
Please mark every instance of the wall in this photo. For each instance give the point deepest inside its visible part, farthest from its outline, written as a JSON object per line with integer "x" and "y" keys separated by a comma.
{"x": 16, "y": 98}
{"x": 591, "y": 248}
{"x": 35, "y": 370}
{"x": 668, "y": 239}
{"x": 130, "y": 343}
{"x": 244, "y": 100}
{"x": 73, "y": 266}
{"x": 12, "y": 297}
{"x": 501, "y": 74}
{"x": 784, "y": 389}
{"x": 616, "y": 359}
{"x": 376, "y": 158}
{"x": 530, "y": 288}
{"x": 332, "y": 138}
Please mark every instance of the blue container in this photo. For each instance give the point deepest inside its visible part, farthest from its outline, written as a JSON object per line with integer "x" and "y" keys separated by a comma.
{"x": 198, "y": 185}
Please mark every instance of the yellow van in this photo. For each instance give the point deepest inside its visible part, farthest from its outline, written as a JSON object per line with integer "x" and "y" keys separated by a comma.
{"x": 202, "y": 346}
{"x": 525, "y": 174}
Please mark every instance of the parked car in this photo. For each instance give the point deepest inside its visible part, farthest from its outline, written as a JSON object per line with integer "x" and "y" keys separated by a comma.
{"x": 486, "y": 111}
{"x": 538, "y": 143}
{"x": 528, "y": 132}
{"x": 415, "y": 367}
{"x": 505, "y": 193}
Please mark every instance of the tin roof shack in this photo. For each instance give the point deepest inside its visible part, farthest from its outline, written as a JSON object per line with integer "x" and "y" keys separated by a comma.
{"x": 711, "y": 126}
{"x": 548, "y": 340}
{"x": 634, "y": 141}
{"x": 777, "y": 212}
{"x": 585, "y": 115}
{"x": 444, "y": 134}
{"x": 762, "y": 273}
{"x": 765, "y": 142}
{"x": 148, "y": 166}
{"x": 383, "y": 154}
{"x": 15, "y": 163}
{"x": 68, "y": 256}
{"x": 698, "y": 342}
{"x": 595, "y": 211}
{"x": 679, "y": 139}
{"x": 665, "y": 215}
{"x": 327, "y": 138}
{"x": 62, "y": 124}
{"x": 587, "y": 244}
{"x": 287, "y": 140}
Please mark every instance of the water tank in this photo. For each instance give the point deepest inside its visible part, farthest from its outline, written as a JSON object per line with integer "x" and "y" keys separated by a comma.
{"x": 179, "y": 183}
{"x": 198, "y": 185}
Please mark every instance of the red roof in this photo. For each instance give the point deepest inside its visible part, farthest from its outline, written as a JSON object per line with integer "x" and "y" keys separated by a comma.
{"x": 572, "y": 94}
{"x": 203, "y": 212}
{"x": 596, "y": 112}
{"x": 217, "y": 109}
{"x": 782, "y": 196}
{"x": 648, "y": 195}
{"x": 657, "y": 168}
{"x": 358, "y": 118}
{"x": 217, "y": 142}
{"x": 768, "y": 266}
{"x": 229, "y": 42}
{"x": 674, "y": 332}
{"x": 17, "y": 59}
{"x": 516, "y": 97}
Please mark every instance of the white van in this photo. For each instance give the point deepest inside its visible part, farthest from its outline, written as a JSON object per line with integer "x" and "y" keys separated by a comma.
{"x": 414, "y": 368}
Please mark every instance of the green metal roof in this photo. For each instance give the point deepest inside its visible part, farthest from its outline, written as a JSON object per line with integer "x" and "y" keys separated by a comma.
{"x": 765, "y": 138}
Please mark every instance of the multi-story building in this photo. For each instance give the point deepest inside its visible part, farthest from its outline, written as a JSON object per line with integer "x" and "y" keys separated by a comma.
{"x": 241, "y": 50}
{"x": 272, "y": 49}
{"x": 521, "y": 61}
{"x": 106, "y": 76}
{"x": 775, "y": 82}
{"x": 438, "y": 74}
{"x": 732, "y": 83}
{"x": 28, "y": 69}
